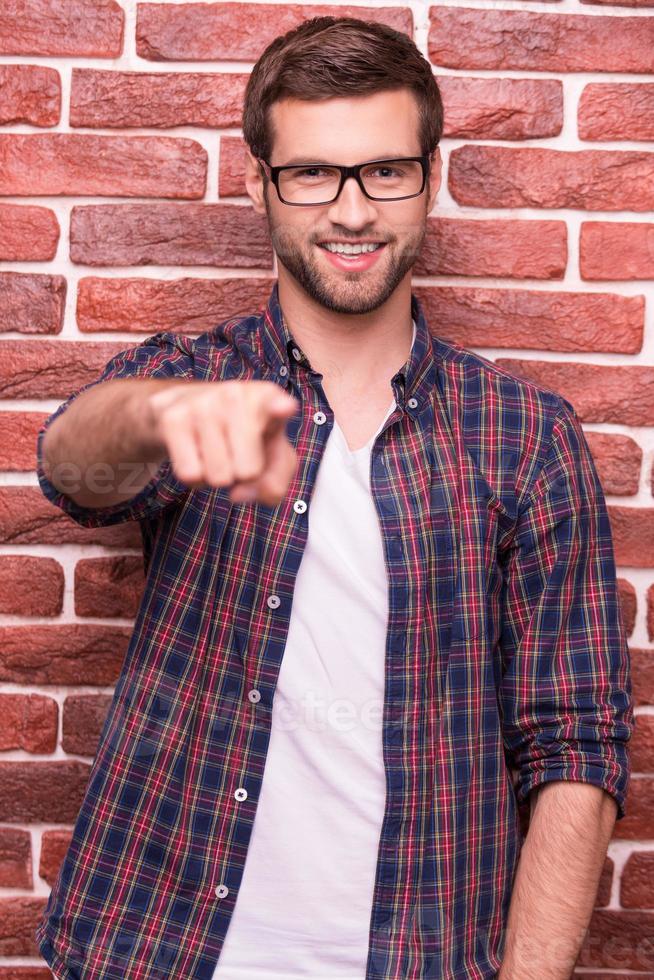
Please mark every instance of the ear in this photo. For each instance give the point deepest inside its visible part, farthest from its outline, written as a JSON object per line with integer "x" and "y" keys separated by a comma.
{"x": 254, "y": 182}
{"x": 435, "y": 175}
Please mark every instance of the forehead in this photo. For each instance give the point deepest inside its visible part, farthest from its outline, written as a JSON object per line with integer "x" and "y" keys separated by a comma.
{"x": 345, "y": 130}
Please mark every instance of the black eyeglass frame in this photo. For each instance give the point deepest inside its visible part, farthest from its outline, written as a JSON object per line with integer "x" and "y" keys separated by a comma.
{"x": 346, "y": 172}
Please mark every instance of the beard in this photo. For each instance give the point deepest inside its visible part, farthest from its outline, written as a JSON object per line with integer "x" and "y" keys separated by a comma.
{"x": 346, "y": 292}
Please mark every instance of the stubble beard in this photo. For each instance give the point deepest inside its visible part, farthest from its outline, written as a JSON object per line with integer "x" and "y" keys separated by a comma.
{"x": 345, "y": 292}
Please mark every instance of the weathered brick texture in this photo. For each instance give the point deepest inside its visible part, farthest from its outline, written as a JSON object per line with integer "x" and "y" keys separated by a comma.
{"x": 185, "y": 305}
{"x": 30, "y": 94}
{"x": 617, "y": 111}
{"x": 122, "y": 99}
{"x": 27, "y": 233}
{"x": 169, "y": 234}
{"x": 596, "y": 180}
{"x": 236, "y": 32}
{"x": 117, "y": 166}
{"x": 616, "y": 250}
{"x": 77, "y": 28}
{"x": 461, "y": 37}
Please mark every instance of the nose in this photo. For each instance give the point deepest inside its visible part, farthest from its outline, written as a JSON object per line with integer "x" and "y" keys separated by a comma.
{"x": 352, "y": 208}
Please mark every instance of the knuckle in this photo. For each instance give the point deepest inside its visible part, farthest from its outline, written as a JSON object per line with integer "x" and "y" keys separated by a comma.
{"x": 174, "y": 414}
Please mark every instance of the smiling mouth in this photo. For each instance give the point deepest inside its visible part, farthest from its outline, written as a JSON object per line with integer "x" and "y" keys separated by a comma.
{"x": 369, "y": 249}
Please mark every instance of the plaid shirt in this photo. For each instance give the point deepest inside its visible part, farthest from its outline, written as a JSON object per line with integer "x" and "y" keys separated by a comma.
{"x": 504, "y": 653}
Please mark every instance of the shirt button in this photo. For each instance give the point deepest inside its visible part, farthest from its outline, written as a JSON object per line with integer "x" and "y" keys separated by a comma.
{"x": 412, "y": 403}
{"x": 241, "y": 794}
{"x": 299, "y": 506}
{"x": 283, "y": 370}
{"x": 222, "y": 891}
{"x": 254, "y": 695}
{"x": 319, "y": 418}
{"x": 296, "y": 354}
{"x": 273, "y": 601}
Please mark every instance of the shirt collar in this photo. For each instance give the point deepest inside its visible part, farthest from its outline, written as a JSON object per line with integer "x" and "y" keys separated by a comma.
{"x": 413, "y": 382}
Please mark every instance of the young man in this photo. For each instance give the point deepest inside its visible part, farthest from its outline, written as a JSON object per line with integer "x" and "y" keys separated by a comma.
{"x": 379, "y": 570}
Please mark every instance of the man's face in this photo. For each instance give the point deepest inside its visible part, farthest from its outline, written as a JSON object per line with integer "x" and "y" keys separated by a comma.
{"x": 346, "y": 131}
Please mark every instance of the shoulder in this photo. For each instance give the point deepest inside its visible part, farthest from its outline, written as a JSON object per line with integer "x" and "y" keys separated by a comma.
{"x": 229, "y": 344}
{"x": 469, "y": 377}
{"x": 508, "y": 425}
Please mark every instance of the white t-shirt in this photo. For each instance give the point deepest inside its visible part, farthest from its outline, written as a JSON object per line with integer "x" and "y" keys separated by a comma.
{"x": 304, "y": 903}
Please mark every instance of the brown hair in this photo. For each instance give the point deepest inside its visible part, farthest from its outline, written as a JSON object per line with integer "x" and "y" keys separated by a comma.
{"x": 330, "y": 56}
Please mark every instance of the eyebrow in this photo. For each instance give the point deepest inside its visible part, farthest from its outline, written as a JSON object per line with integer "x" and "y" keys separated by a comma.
{"x": 301, "y": 161}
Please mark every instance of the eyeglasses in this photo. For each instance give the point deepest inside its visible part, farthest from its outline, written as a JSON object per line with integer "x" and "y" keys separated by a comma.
{"x": 380, "y": 180}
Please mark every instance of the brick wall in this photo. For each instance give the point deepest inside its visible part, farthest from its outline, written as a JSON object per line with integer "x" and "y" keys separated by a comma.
{"x": 123, "y": 212}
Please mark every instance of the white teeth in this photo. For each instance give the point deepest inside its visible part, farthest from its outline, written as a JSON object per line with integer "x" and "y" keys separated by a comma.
{"x": 352, "y": 249}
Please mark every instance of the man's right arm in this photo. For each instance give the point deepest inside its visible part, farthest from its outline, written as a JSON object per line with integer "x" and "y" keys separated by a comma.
{"x": 113, "y": 438}
{"x": 101, "y": 451}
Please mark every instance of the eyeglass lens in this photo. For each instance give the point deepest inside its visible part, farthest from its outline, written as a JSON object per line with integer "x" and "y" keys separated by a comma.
{"x": 319, "y": 184}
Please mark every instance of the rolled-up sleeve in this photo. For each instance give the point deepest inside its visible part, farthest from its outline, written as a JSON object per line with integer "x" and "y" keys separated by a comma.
{"x": 565, "y": 694}
{"x": 162, "y": 355}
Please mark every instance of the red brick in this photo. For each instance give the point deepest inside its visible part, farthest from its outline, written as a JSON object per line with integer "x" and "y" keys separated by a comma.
{"x": 236, "y": 31}
{"x": 642, "y": 748}
{"x": 74, "y": 653}
{"x": 119, "y": 166}
{"x": 633, "y": 536}
{"x": 28, "y": 233}
{"x": 501, "y": 108}
{"x": 618, "y": 460}
{"x": 596, "y": 180}
{"x": 19, "y": 917}
{"x": 637, "y": 880}
{"x": 461, "y": 37}
{"x": 82, "y": 28}
{"x": 15, "y": 859}
{"x": 26, "y": 517}
{"x": 628, "y": 605}
{"x": 182, "y": 305}
{"x": 642, "y": 663}
{"x": 119, "y": 99}
{"x": 617, "y": 111}
{"x": 612, "y": 975}
{"x": 109, "y": 586}
{"x": 31, "y": 586}
{"x": 51, "y": 369}
{"x": 231, "y": 168}
{"x": 49, "y": 792}
{"x": 622, "y": 3}
{"x": 32, "y": 303}
{"x": 170, "y": 234}
{"x": 616, "y": 250}
{"x": 29, "y": 972}
{"x": 617, "y": 938}
{"x": 18, "y": 431}
{"x": 599, "y": 393}
{"x": 650, "y": 612}
{"x": 603, "y": 896}
{"x": 54, "y": 845}
{"x": 28, "y": 721}
{"x": 30, "y": 94}
{"x": 480, "y": 317}
{"x": 84, "y": 716}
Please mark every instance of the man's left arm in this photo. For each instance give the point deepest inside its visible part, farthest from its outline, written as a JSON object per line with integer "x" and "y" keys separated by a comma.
{"x": 556, "y": 883}
{"x": 566, "y": 706}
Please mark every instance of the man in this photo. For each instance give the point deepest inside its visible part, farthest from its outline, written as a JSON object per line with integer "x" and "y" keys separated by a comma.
{"x": 379, "y": 568}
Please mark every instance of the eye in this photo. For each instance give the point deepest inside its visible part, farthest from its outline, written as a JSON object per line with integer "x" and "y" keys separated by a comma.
{"x": 310, "y": 172}
{"x": 384, "y": 170}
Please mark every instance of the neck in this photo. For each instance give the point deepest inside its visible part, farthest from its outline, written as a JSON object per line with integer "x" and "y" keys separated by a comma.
{"x": 352, "y": 350}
